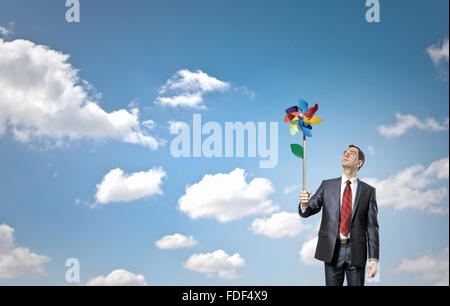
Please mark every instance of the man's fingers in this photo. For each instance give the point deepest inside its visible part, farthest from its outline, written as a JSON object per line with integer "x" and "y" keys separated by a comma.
{"x": 304, "y": 196}
{"x": 371, "y": 271}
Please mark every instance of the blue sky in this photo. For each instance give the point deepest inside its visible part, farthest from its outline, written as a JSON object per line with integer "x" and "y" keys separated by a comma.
{"x": 268, "y": 54}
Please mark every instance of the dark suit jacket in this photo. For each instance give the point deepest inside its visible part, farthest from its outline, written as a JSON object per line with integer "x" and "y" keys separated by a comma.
{"x": 364, "y": 224}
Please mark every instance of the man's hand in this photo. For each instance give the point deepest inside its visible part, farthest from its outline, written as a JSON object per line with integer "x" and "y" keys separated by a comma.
{"x": 304, "y": 197}
{"x": 372, "y": 269}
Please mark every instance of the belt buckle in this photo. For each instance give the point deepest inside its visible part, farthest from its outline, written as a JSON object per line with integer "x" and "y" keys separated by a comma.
{"x": 344, "y": 241}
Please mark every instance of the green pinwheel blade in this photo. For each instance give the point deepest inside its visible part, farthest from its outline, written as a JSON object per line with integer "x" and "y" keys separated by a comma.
{"x": 294, "y": 127}
{"x": 297, "y": 150}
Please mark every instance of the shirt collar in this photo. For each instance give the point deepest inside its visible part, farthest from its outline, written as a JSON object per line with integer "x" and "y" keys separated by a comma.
{"x": 354, "y": 180}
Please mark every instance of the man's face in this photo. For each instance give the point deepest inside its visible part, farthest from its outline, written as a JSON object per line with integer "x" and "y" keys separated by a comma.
{"x": 350, "y": 158}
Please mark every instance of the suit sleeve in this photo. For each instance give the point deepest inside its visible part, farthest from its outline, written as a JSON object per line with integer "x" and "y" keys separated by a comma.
{"x": 314, "y": 204}
{"x": 372, "y": 228}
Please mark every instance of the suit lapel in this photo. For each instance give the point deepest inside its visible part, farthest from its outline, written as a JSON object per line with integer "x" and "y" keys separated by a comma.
{"x": 337, "y": 190}
{"x": 358, "y": 194}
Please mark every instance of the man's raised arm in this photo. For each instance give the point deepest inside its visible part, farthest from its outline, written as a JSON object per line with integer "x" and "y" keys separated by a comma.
{"x": 312, "y": 206}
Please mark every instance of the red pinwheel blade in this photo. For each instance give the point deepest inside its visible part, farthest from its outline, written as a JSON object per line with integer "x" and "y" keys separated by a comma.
{"x": 312, "y": 111}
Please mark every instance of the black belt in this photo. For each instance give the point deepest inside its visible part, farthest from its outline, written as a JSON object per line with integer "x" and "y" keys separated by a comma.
{"x": 343, "y": 241}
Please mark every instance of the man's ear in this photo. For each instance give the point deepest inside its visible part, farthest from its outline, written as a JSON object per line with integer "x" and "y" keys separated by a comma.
{"x": 360, "y": 163}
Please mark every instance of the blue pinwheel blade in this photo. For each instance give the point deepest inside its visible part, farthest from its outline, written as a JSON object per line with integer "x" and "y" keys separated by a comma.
{"x": 306, "y": 129}
{"x": 308, "y": 126}
{"x": 303, "y": 105}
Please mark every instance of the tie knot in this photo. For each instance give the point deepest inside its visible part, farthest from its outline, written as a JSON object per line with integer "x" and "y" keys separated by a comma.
{"x": 348, "y": 182}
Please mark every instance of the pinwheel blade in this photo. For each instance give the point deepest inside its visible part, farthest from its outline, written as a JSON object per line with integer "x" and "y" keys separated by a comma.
{"x": 306, "y": 129}
{"x": 303, "y": 105}
{"x": 312, "y": 111}
{"x": 294, "y": 126}
{"x": 291, "y": 116}
{"x": 313, "y": 120}
{"x": 288, "y": 118}
{"x": 292, "y": 109}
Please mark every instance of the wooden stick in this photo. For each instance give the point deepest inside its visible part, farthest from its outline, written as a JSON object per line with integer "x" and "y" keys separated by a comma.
{"x": 304, "y": 162}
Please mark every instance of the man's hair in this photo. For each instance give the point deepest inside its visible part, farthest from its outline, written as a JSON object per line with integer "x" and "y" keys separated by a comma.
{"x": 360, "y": 154}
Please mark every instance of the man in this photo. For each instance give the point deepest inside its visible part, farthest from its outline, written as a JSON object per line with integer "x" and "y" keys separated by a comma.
{"x": 349, "y": 227}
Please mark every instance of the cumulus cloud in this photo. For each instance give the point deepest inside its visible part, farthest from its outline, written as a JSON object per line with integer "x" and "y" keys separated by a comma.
{"x": 117, "y": 186}
{"x": 431, "y": 268}
{"x": 18, "y": 262}
{"x": 279, "y": 225}
{"x": 415, "y": 187}
{"x": 6, "y": 31}
{"x": 439, "y": 52}
{"x": 187, "y": 89}
{"x": 216, "y": 262}
{"x": 407, "y": 122}
{"x": 290, "y": 189}
{"x": 306, "y": 253}
{"x": 43, "y": 99}
{"x": 227, "y": 197}
{"x": 245, "y": 91}
{"x": 175, "y": 241}
{"x": 118, "y": 277}
{"x": 3, "y": 31}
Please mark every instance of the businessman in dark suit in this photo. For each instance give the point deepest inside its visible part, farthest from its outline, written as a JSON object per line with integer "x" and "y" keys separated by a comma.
{"x": 349, "y": 227}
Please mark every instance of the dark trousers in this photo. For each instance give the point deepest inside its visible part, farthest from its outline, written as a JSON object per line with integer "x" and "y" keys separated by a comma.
{"x": 341, "y": 266}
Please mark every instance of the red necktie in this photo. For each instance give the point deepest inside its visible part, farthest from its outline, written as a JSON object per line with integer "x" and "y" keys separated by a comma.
{"x": 346, "y": 210}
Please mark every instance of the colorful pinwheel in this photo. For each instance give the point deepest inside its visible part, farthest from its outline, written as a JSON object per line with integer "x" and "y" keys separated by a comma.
{"x": 300, "y": 118}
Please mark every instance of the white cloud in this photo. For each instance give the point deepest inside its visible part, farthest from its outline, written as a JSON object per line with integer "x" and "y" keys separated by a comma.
{"x": 6, "y": 32}
{"x": 439, "y": 53}
{"x": 18, "y": 262}
{"x": 306, "y": 253}
{"x": 279, "y": 225}
{"x": 3, "y": 31}
{"x": 119, "y": 187}
{"x": 245, "y": 91}
{"x": 187, "y": 89}
{"x": 175, "y": 241}
{"x": 227, "y": 197}
{"x": 407, "y": 122}
{"x": 415, "y": 188}
{"x": 431, "y": 268}
{"x": 118, "y": 277}
{"x": 290, "y": 189}
{"x": 43, "y": 99}
{"x": 371, "y": 150}
{"x": 217, "y": 262}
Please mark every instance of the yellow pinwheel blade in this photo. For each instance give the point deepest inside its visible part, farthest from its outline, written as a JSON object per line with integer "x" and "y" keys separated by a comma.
{"x": 313, "y": 120}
